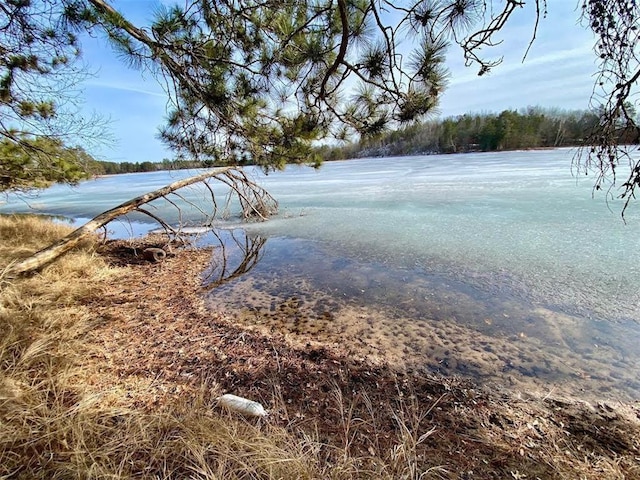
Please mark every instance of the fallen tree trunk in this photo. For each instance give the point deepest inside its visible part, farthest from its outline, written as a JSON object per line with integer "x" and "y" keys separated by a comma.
{"x": 254, "y": 201}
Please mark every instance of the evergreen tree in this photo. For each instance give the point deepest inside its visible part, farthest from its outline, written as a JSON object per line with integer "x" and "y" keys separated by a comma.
{"x": 258, "y": 82}
{"x": 39, "y": 162}
{"x": 38, "y": 100}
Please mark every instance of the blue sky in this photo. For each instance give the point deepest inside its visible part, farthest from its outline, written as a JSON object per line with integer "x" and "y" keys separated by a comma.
{"x": 558, "y": 72}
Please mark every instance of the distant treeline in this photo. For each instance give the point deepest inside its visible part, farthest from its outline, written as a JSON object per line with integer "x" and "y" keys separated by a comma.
{"x": 533, "y": 127}
{"x": 510, "y": 130}
{"x": 99, "y": 167}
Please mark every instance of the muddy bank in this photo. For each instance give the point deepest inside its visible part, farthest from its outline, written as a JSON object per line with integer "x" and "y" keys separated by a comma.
{"x": 156, "y": 339}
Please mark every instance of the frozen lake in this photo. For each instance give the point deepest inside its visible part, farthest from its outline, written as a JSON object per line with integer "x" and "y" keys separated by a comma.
{"x": 501, "y": 266}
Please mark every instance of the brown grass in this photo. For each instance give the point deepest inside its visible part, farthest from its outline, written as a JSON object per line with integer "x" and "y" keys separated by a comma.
{"x": 112, "y": 372}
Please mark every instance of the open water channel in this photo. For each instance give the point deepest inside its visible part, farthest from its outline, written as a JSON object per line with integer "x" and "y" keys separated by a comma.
{"x": 498, "y": 266}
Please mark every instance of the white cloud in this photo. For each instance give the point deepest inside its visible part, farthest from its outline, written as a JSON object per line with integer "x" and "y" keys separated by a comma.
{"x": 558, "y": 70}
{"x": 125, "y": 87}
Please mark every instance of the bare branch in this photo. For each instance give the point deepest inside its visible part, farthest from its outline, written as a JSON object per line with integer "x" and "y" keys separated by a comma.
{"x": 344, "y": 43}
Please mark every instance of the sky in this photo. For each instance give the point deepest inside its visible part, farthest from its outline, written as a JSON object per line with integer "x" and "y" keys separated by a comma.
{"x": 557, "y": 72}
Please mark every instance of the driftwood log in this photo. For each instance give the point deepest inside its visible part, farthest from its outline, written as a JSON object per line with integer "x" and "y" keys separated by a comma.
{"x": 254, "y": 202}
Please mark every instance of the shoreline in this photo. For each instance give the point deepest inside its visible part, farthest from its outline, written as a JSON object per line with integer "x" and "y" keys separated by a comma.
{"x": 162, "y": 341}
{"x": 111, "y": 367}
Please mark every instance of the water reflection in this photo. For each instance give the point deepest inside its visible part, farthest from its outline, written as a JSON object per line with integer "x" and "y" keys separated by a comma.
{"x": 235, "y": 254}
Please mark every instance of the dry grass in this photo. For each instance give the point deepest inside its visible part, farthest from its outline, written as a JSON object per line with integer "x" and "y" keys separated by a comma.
{"x": 74, "y": 407}
{"x": 53, "y": 426}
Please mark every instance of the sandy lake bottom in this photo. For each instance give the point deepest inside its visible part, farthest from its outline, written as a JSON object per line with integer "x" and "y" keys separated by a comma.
{"x": 491, "y": 332}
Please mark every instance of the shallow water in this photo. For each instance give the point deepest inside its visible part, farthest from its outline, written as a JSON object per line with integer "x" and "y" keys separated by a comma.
{"x": 498, "y": 266}
{"x": 492, "y": 332}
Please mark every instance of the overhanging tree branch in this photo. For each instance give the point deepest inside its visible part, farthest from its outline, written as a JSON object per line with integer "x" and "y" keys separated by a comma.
{"x": 342, "y": 52}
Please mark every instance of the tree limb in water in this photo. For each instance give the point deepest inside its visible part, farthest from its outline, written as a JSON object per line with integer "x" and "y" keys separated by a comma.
{"x": 255, "y": 202}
